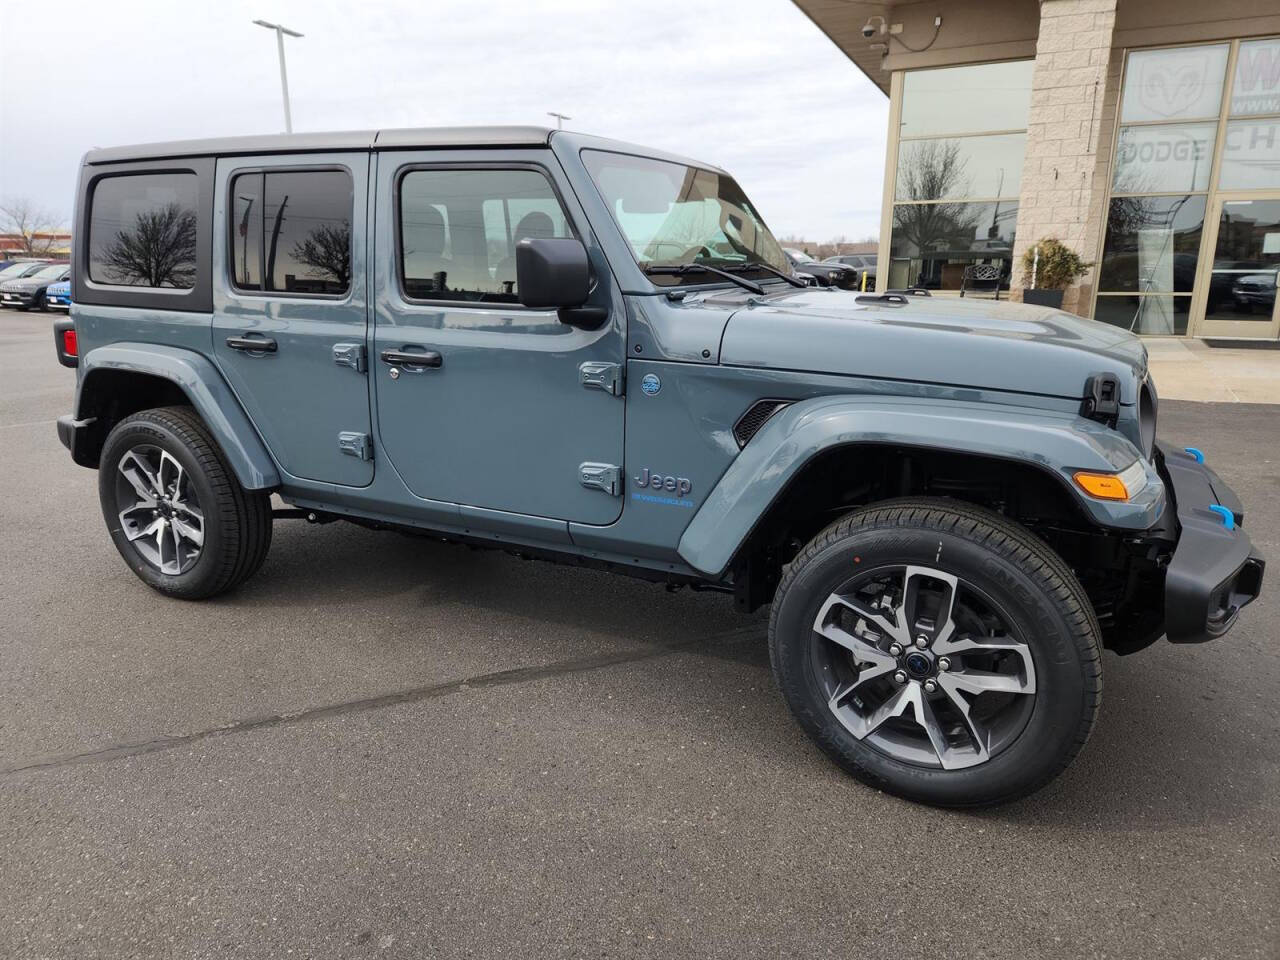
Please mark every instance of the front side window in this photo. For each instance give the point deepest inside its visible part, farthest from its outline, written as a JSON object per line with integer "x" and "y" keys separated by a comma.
{"x": 673, "y": 214}
{"x": 142, "y": 230}
{"x": 291, "y": 231}
{"x": 459, "y": 230}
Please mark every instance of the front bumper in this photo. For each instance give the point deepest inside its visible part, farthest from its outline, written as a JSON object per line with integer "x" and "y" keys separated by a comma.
{"x": 1215, "y": 570}
{"x": 15, "y": 299}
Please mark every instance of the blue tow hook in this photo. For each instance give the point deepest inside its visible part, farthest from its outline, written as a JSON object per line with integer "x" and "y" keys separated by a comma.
{"x": 1228, "y": 518}
{"x": 1195, "y": 454}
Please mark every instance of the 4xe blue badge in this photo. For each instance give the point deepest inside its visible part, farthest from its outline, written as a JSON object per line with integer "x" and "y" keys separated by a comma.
{"x": 667, "y": 485}
{"x": 650, "y": 384}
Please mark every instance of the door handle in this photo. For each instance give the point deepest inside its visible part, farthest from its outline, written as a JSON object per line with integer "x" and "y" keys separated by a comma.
{"x": 403, "y": 358}
{"x": 252, "y": 344}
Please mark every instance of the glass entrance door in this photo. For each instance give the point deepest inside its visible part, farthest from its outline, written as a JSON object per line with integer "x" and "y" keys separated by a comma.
{"x": 1240, "y": 299}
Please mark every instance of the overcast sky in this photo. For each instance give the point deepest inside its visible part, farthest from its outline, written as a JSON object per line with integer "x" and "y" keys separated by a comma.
{"x": 751, "y": 85}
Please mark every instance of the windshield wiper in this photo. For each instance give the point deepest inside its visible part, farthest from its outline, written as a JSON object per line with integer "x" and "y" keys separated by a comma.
{"x": 679, "y": 270}
{"x": 759, "y": 265}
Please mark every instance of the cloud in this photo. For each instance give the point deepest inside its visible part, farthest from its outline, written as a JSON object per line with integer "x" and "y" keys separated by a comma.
{"x": 752, "y": 86}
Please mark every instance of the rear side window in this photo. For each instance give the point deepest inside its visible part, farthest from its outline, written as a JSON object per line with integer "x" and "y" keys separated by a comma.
{"x": 143, "y": 230}
{"x": 291, "y": 231}
{"x": 459, "y": 230}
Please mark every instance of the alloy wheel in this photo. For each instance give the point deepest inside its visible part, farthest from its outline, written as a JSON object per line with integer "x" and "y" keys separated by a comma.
{"x": 923, "y": 666}
{"x": 158, "y": 508}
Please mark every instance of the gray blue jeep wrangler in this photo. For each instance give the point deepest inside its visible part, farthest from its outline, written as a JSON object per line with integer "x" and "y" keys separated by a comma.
{"x": 590, "y": 352}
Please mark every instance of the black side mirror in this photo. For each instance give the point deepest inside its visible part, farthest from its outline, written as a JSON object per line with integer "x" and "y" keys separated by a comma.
{"x": 555, "y": 272}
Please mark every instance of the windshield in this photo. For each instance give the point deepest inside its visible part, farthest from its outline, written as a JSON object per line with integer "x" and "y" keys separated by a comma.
{"x": 675, "y": 214}
{"x": 14, "y": 270}
{"x": 50, "y": 272}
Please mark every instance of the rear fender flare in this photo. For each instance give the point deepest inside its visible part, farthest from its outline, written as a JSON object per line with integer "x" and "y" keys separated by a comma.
{"x": 197, "y": 377}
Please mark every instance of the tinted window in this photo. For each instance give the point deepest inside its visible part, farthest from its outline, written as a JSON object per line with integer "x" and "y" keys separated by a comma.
{"x": 961, "y": 167}
{"x": 1164, "y": 157}
{"x": 245, "y": 227}
{"x": 142, "y": 230}
{"x": 1181, "y": 83}
{"x": 933, "y": 243}
{"x": 1152, "y": 244}
{"x": 459, "y": 228}
{"x": 291, "y": 231}
{"x": 969, "y": 99}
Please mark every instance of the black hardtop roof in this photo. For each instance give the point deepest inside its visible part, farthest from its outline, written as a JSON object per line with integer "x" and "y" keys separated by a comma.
{"x": 403, "y": 139}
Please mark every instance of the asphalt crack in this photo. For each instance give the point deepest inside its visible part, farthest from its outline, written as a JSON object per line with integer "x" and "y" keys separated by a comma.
{"x": 419, "y": 694}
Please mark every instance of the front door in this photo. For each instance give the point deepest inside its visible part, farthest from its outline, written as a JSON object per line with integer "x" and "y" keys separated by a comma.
{"x": 290, "y": 311}
{"x": 496, "y": 414}
{"x": 1240, "y": 298}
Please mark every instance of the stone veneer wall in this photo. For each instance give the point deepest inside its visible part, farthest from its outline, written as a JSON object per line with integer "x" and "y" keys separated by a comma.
{"x": 1074, "y": 95}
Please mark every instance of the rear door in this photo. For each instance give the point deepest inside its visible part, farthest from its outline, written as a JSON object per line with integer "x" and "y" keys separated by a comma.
{"x": 290, "y": 307}
{"x": 508, "y": 404}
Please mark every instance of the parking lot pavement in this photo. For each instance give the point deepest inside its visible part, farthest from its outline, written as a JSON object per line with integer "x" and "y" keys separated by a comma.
{"x": 388, "y": 747}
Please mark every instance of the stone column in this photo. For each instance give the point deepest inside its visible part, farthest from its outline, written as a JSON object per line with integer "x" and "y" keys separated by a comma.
{"x": 1073, "y": 101}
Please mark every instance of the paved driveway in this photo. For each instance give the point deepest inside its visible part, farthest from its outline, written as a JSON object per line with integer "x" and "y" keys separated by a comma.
{"x": 384, "y": 747}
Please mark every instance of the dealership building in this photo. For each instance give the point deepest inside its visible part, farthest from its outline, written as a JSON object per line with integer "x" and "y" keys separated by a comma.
{"x": 1143, "y": 135}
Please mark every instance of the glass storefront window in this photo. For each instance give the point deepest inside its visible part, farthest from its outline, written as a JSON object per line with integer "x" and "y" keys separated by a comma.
{"x": 1152, "y": 244}
{"x": 960, "y": 167}
{"x": 1164, "y": 158}
{"x": 1153, "y": 316}
{"x": 968, "y": 99}
{"x": 932, "y": 243}
{"x": 1251, "y": 155}
{"x": 1179, "y": 83}
{"x": 1255, "y": 88}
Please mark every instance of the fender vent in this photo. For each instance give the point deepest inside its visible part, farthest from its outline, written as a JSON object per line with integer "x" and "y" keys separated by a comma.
{"x": 756, "y": 416}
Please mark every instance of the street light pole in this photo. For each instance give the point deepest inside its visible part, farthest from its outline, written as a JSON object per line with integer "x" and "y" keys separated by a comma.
{"x": 284, "y": 78}
{"x": 560, "y": 118}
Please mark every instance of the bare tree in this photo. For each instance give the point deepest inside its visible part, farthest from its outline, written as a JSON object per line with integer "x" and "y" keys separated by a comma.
{"x": 159, "y": 251}
{"x": 327, "y": 251}
{"x": 35, "y": 226}
{"x": 932, "y": 170}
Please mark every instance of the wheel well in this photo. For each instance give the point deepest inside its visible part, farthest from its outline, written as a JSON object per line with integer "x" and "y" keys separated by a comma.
{"x": 108, "y": 396}
{"x": 836, "y": 481}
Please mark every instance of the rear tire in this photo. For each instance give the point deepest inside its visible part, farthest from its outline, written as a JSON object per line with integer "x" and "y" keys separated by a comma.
{"x": 174, "y": 508}
{"x": 938, "y": 651}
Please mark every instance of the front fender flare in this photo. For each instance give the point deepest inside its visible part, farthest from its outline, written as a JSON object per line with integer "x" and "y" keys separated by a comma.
{"x": 203, "y": 385}
{"x": 1056, "y": 443}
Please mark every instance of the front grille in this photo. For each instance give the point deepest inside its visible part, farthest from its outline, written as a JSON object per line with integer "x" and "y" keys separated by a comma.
{"x": 755, "y": 418}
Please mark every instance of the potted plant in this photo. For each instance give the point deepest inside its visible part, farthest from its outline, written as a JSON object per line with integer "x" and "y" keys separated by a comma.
{"x": 1048, "y": 268}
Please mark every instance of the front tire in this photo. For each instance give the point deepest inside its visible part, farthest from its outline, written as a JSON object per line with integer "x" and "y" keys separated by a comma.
{"x": 938, "y": 651}
{"x": 175, "y": 510}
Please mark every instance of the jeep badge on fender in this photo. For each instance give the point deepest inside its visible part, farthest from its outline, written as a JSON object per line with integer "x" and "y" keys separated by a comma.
{"x": 952, "y": 505}
{"x": 680, "y": 486}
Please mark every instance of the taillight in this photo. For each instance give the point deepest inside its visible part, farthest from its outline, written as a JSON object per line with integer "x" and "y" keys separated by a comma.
{"x": 69, "y": 343}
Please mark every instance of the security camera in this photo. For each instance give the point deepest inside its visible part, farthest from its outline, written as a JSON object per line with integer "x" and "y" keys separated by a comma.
{"x": 869, "y": 29}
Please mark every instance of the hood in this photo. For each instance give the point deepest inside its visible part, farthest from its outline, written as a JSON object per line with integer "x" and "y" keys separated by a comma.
{"x": 26, "y": 283}
{"x": 968, "y": 343}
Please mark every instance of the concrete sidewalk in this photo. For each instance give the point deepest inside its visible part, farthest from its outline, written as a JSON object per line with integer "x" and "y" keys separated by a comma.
{"x": 1189, "y": 369}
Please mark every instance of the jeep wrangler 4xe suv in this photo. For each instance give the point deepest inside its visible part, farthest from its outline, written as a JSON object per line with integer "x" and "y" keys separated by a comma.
{"x": 582, "y": 350}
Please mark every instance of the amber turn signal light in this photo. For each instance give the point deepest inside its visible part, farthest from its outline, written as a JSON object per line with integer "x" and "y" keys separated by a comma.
{"x": 1104, "y": 486}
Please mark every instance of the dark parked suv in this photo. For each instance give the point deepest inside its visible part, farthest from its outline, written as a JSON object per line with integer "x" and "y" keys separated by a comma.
{"x": 590, "y": 352}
